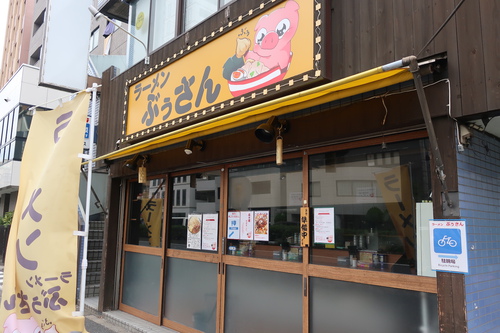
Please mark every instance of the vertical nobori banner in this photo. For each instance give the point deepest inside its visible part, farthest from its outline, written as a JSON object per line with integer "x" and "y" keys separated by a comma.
{"x": 40, "y": 273}
{"x": 395, "y": 185}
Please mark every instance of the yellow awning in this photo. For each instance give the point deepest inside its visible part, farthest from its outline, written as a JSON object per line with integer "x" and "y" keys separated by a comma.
{"x": 353, "y": 85}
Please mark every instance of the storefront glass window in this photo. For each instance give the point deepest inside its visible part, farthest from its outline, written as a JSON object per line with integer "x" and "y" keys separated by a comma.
{"x": 364, "y": 206}
{"x": 139, "y": 21}
{"x": 196, "y": 11}
{"x": 195, "y": 211}
{"x": 145, "y": 218}
{"x": 140, "y": 290}
{"x": 264, "y": 210}
{"x": 191, "y": 293}
{"x": 7, "y": 144}
{"x": 164, "y": 22}
{"x": 339, "y": 306}
{"x": 24, "y": 121}
{"x": 263, "y": 301}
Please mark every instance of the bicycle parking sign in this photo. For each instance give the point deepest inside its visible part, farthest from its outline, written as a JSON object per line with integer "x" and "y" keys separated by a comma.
{"x": 449, "y": 245}
{"x": 447, "y": 241}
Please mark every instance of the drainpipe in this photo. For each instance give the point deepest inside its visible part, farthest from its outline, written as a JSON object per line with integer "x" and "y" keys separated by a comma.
{"x": 411, "y": 61}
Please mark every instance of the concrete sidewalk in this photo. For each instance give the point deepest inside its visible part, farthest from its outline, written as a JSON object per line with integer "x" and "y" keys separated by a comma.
{"x": 122, "y": 319}
{"x": 111, "y": 321}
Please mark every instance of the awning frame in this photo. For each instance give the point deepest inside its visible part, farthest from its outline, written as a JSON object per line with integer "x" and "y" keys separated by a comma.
{"x": 376, "y": 78}
{"x": 379, "y": 77}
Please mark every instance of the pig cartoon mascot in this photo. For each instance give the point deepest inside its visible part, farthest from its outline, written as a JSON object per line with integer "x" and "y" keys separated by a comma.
{"x": 14, "y": 325}
{"x": 271, "y": 56}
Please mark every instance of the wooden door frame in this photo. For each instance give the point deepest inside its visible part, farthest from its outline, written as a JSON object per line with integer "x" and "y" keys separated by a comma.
{"x": 215, "y": 258}
{"x": 158, "y": 252}
{"x": 305, "y": 268}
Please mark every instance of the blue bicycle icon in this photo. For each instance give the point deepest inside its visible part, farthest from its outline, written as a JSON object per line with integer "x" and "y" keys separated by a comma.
{"x": 447, "y": 241}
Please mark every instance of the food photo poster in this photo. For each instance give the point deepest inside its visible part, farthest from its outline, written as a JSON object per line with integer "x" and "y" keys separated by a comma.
{"x": 194, "y": 232}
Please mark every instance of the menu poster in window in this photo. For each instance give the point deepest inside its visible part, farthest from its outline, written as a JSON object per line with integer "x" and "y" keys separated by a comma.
{"x": 233, "y": 225}
{"x": 194, "y": 232}
{"x": 261, "y": 226}
{"x": 324, "y": 225}
{"x": 246, "y": 225}
{"x": 209, "y": 232}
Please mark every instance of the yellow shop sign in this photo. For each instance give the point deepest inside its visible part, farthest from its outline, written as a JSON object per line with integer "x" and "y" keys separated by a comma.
{"x": 272, "y": 50}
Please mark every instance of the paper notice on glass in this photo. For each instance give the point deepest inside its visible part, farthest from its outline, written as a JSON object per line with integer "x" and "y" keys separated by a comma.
{"x": 324, "y": 225}
{"x": 233, "y": 225}
{"x": 194, "y": 232}
{"x": 209, "y": 232}
{"x": 448, "y": 241}
{"x": 261, "y": 225}
{"x": 246, "y": 223}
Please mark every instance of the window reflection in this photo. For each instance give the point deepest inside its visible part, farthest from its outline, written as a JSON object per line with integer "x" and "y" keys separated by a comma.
{"x": 168, "y": 19}
{"x": 145, "y": 219}
{"x": 196, "y": 11}
{"x": 164, "y": 22}
{"x": 361, "y": 308}
{"x": 138, "y": 26}
{"x": 264, "y": 210}
{"x": 372, "y": 193}
{"x": 195, "y": 195}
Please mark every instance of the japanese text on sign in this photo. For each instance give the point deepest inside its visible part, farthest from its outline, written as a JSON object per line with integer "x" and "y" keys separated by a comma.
{"x": 168, "y": 100}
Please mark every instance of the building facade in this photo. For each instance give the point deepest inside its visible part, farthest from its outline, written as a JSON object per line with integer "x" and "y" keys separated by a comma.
{"x": 17, "y": 38}
{"x": 298, "y": 166}
{"x": 21, "y": 95}
{"x": 20, "y": 89}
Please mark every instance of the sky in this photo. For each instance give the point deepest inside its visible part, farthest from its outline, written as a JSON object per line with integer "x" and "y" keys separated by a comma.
{"x": 4, "y": 9}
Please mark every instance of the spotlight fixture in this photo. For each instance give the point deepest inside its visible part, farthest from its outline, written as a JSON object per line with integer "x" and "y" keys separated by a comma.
{"x": 132, "y": 163}
{"x": 137, "y": 160}
{"x": 194, "y": 143}
{"x": 266, "y": 132}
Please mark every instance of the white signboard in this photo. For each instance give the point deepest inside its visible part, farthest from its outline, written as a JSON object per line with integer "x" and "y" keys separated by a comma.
{"x": 64, "y": 57}
{"x": 246, "y": 223}
{"x": 209, "y": 232}
{"x": 295, "y": 199}
{"x": 324, "y": 225}
{"x": 448, "y": 241}
{"x": 233, "y": 225}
